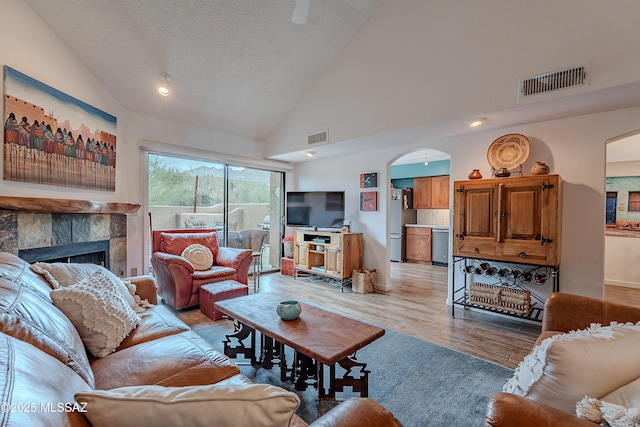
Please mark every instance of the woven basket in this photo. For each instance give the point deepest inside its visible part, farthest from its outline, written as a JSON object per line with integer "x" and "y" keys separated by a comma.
{"x": 364, "y": 281}
{"x": 517, "y": 301}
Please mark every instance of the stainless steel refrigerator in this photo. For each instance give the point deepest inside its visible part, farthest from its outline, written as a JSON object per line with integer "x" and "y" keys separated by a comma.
{"x": 401, "y": 214}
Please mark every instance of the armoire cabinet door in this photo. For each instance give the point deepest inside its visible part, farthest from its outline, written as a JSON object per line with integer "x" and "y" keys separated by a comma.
{"x": 511, "y": 219}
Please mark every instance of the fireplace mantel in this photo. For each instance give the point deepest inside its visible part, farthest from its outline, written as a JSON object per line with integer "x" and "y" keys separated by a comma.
{"x": 68, "y": 206}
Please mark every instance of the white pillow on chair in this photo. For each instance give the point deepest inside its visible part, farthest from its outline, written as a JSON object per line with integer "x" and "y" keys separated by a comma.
{"x": 199, "y": 256}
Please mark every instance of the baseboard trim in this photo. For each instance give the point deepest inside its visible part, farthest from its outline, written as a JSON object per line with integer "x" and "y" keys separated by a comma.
{"x": 623, "y": 284}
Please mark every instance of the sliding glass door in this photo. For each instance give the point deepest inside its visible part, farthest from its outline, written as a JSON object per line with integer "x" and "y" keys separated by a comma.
{"x": 238, "y": 202}
{"x": 254, "y": 196}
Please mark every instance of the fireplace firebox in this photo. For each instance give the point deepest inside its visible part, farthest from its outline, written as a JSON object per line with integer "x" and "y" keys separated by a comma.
{"x": 84, "y": 252}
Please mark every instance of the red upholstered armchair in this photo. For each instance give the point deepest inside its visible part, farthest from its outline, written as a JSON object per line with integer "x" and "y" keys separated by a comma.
{"x": 178, "y": 281}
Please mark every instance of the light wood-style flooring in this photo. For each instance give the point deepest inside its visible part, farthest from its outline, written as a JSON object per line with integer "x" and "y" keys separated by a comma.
{"x": 416, "y": 306}
{"x": 622, "y": 294}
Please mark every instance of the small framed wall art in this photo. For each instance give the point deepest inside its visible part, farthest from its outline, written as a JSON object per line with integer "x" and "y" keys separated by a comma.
{"x": 368, "y": 180}
{"x": 369, "y": 201}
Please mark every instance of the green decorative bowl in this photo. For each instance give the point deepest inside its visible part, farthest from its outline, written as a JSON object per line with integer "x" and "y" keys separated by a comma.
{"x": 289, "y": 310}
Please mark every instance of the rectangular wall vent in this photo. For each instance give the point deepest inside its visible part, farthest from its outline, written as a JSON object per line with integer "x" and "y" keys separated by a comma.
{"x": 317, "y": 138}
{"x": 553, "y": 81}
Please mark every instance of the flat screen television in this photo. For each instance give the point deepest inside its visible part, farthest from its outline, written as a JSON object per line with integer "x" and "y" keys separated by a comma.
{"x": 321, "y": 209}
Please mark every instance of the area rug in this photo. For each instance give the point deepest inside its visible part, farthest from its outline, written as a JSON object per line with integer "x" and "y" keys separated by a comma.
{"x": 421, "y": 383}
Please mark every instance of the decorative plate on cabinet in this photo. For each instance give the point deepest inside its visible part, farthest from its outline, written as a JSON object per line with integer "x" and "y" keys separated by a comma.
{"x": 509, "y": 151}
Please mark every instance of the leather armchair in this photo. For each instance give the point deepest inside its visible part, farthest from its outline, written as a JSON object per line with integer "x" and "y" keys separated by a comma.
{"x": 562, "y": 313}
{"x": 178, "y": 282}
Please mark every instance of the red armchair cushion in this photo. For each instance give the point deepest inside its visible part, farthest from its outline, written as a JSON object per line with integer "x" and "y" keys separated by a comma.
{"x": 214, "y": 273}
{"x": 176, "y": 243}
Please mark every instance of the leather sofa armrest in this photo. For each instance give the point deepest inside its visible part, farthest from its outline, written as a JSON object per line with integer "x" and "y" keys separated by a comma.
{"x": 566, "y": 312}
{"x": 173, "y": 259}
{"x": 507, "y": 410}
{"x": 357, "y": 412}
{"x": 145, "y": 287}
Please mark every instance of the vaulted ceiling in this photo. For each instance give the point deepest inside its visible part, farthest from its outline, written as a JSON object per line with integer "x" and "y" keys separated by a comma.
{"x": 241, "y": 66}
{"x": 238, "y": 66}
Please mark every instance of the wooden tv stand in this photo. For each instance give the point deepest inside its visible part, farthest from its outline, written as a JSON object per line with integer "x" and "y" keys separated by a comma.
{"x": 332, "y": 256}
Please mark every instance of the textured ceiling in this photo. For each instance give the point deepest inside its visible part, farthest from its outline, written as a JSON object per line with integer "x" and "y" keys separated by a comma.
{"x": 237, "y": 66}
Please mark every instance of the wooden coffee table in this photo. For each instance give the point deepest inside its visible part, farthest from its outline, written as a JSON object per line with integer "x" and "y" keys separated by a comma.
{"x": 319, "y": 338}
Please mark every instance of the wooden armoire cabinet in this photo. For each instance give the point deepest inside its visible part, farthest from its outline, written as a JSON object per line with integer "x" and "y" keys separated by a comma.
{"x": 509, "y": 219}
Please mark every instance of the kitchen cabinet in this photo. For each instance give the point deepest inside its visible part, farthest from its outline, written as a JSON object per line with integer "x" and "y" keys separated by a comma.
{"x": 422, "y": 193}
{"x": 509, "y": 219}
{"x": 418, "y": 244}
{"x": 431, "y": 192}
{"x": 440, "y": 192}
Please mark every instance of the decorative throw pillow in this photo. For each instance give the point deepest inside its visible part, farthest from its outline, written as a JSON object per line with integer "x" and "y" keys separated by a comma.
{"x": 199, "y": 256}
{"x": 98, "y": 310}
{"x": 628, "y": 395}
{"x": 140, "y": 304}
{"x": 619, "y": 416}
{"x": 606, "y": 413}
{"x": 246, "y": 405}
{"x": 566, "y": 367}
{"x": 61, "y": 274}
{"x": 589, "y": 409}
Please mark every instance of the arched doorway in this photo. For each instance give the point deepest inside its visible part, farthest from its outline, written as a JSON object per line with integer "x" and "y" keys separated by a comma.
{"x": 622, "y": 216}
{"x": 411, "y": 212}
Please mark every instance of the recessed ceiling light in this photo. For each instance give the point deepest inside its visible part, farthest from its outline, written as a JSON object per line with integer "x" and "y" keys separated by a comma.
{"x": 165, "y": 84}
{"x": 477, "y": 121}
{"x": 310, "y": 153}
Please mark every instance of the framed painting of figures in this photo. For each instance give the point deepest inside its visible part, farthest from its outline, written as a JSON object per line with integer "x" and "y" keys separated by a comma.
{"x": 54, "y": 139}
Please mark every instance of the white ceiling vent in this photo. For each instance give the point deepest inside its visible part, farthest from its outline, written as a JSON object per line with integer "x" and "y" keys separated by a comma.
{"x": 553, "y": 81}
{"x": 318, "y": 137}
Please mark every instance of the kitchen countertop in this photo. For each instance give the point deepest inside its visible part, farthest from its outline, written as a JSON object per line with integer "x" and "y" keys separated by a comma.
{"x": 442, "y": 227}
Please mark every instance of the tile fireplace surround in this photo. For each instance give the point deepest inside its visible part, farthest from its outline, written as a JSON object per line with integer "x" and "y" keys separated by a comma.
{"x": 30, "y": 223}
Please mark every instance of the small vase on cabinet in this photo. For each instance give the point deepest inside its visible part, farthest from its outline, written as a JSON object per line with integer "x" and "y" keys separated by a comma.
{"x": 475, "y": 174}
{"x": 503, "y": 173}
{"x": 540, "y": 168}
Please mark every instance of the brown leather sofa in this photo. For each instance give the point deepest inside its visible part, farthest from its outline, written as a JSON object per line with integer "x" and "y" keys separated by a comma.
{"x": 43, "y": 360}
{"x": 178, "y": 282}
{"x": 562, "y": 313}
